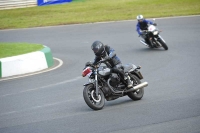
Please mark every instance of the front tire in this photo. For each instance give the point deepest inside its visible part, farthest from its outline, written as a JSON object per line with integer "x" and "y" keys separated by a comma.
{"x": 163, "y": 44}
{"x": 89, "y": 95}
{"x": 138, "y": 94}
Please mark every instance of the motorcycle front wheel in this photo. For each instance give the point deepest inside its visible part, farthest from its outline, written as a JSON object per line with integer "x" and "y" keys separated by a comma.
{"x": 138, "y": 94}
{"x": 94, "y": 102}
{"x": 164, "y": 45}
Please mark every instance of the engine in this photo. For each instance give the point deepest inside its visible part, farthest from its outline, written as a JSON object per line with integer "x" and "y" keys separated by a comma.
{"x": 115, "y": 80}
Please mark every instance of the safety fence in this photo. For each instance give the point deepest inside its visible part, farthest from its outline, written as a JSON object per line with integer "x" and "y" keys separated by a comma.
{"x": 10, "y": 4}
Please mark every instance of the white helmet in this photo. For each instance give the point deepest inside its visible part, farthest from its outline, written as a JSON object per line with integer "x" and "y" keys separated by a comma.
{"x": 140, "y": 17}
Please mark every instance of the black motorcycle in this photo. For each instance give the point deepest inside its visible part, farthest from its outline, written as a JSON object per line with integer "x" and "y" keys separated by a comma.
{"x": 106, "y": 85}
{"x": 154, "y": 39}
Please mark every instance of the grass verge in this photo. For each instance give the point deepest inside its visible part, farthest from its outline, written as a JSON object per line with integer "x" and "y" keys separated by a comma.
{"x": 85, "y": 11}
{"x": 13, "y": 49}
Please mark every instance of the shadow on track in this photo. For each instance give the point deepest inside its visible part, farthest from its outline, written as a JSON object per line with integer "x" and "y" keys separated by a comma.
{"x": 139, "y": 50}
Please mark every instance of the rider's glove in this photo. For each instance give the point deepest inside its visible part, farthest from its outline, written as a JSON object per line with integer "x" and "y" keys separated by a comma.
{"x": 142, "y": 33}
{"x": 89, "y": 63}
{"x": 154, "y": 24}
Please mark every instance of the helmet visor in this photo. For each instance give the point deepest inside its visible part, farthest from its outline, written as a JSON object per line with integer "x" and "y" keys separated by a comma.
{"x": 95, "y": 50}
{"x": 99, "y": 52}
{"x": 140, "y": 20}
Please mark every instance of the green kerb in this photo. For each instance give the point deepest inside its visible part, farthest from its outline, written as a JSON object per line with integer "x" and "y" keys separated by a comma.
{"x": 48, "y": 55}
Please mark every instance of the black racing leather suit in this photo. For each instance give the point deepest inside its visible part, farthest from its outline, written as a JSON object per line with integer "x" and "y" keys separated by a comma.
{"x": 114, "y": 63}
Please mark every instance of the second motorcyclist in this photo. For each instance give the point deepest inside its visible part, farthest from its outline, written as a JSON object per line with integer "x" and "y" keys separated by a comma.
{"x": 142, "y": 25}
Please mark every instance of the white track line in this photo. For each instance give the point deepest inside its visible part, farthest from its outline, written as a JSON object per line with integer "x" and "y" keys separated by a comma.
{"x": 36, "y": 107}
{"x": 43, "y": 87}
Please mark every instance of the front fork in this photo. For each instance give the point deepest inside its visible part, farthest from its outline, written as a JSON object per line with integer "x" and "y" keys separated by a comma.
{"x": 161, "y": 38}
{"x": 96, "y": 83}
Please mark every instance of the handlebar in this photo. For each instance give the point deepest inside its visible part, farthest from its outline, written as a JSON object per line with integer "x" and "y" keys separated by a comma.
{"x": 99, "y": 62}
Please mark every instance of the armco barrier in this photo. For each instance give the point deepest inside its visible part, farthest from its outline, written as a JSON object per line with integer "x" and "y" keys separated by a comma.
{"x": 10, "y": 4}
{"x": 26, "y": 63}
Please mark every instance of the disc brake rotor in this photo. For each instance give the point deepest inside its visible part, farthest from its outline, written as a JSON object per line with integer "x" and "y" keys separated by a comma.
{"x": 96, "y": 100}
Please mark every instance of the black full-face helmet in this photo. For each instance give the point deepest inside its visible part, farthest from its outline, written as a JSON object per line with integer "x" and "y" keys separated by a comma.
{"x": 98, "y": 48}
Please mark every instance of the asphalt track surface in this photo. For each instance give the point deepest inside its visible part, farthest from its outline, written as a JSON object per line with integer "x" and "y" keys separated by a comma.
{"x": 52, "y": 102}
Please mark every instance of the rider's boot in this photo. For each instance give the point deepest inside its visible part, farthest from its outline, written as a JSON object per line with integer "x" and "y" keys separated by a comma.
{"x": 147, "y": 41}
{"x": 151, "y": 43}
{"x": 128, "y": 81}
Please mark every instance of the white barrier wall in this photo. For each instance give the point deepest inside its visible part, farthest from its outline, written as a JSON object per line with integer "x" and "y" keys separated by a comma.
{"x": 22, "y": 64}
{"x": 9, "y": 4}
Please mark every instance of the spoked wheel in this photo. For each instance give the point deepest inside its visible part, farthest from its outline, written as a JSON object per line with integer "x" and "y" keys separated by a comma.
{"x": 138, "y": 94}
{"x": 94, "y": 102}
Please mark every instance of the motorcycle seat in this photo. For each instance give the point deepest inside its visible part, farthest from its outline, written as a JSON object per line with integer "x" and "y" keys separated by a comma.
{"x": 129, "y": 67}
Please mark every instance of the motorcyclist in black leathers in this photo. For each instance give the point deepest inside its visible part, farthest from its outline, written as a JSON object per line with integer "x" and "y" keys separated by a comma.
{"x": 107, "y": 53}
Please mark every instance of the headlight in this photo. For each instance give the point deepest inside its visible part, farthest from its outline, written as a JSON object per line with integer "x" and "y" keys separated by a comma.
{"x": 155, "y": 32}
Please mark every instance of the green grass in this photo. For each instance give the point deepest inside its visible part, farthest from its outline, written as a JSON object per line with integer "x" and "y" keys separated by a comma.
{"x": 85, "y": 11}
{"x": 13, "y": 49}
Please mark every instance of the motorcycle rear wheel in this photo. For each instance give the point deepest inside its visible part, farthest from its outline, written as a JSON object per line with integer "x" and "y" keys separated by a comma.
{"x": 89, "y": 95}
{"x": 136, "y": 95}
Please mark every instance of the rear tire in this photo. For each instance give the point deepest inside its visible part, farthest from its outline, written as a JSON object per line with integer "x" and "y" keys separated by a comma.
{"x": 138, "y": 94}
{"x": 89, "y": 95}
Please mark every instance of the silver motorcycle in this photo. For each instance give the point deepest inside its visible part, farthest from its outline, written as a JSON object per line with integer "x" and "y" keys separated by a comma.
{"x": 106, "y": 85}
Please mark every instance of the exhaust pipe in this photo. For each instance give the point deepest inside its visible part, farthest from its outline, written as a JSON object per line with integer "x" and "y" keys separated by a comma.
{"x": 144, "y": 43}
{"x": 144, "y": 84}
